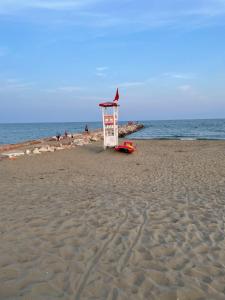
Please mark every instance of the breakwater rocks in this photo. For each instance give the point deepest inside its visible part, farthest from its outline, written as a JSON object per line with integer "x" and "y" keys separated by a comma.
{"x": 63, "y": 142}
{"x": 129, "y": 128}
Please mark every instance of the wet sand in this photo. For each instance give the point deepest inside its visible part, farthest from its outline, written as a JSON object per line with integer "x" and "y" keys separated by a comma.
{"x": 88, "y": 224}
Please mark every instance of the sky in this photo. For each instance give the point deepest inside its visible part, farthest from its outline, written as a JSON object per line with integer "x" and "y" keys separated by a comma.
{"x": 60, "y": 58}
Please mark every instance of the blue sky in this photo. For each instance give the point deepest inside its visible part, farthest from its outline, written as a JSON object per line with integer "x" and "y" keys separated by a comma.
{"x": 60, "y": 58}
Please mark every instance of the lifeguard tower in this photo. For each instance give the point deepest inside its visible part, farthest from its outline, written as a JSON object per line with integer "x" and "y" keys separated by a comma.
{"x": 110, "y": 121}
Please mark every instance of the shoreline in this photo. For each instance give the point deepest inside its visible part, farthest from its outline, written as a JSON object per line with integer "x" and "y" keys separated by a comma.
{"x": 51, "y": 144}
{"x": 177, "y": 139}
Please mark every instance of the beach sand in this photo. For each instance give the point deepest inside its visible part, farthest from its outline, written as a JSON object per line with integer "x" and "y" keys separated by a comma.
{"x": 92, "y": 224}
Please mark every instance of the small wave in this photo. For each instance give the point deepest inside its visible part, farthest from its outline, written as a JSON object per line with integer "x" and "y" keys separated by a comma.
{"x": 188, "y": 139}
{"x": 176, "y": 139}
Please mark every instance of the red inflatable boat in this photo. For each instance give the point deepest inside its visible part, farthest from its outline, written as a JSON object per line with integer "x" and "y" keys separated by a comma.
{"x": 126, "y": 147}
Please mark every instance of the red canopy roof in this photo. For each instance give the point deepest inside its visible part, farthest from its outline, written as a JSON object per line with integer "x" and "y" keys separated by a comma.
{"x": 108, "y": 104}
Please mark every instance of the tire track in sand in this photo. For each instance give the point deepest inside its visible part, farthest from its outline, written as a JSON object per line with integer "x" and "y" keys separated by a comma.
{"x": 137, "y": 238}
{"x": 96, "y": 259}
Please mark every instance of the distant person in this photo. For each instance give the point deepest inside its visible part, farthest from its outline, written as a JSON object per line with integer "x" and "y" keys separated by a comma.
{"x": 86, "y": 129}
{"x": 58, "y": 136}
{"x": 66, "y": 134}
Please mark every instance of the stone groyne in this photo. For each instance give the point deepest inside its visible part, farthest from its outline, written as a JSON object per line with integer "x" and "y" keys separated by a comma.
{"x": 64, "y": 142}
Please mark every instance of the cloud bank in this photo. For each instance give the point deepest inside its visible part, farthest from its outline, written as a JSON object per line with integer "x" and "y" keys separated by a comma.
{"x": 116, "y": 14}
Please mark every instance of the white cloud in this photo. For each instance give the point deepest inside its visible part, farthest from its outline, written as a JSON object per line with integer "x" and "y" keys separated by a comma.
{"x": 65, "y": 89}
{"x": 13, "y": 85}
{"x": 179, "y": 75}
{"x": 7, "y": 6}
{"x": 100, "y": 74}
{"x": 131, "y": 84}
{"x": 56, "y": 5}
{"x": 70, "y": 88}
{"x": 130, "y": 16}
{"x": 193, "y": 92}
{"x": 101, "y": 71}
{"x": 185, "y": 88}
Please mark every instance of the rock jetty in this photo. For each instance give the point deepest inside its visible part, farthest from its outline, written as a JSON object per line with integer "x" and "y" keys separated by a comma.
{"x": 64, "y": 142}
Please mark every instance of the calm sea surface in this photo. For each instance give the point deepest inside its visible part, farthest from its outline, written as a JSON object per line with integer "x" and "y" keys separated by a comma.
{"x": 182, "y": 129}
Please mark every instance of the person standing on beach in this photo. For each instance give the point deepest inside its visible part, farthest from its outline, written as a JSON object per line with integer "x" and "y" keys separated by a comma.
{"x": 58, "y": 136}
{"x": 86, "y": 129}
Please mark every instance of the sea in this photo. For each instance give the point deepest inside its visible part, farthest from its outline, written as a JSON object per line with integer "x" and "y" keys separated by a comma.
{"x": 210, "y": 129}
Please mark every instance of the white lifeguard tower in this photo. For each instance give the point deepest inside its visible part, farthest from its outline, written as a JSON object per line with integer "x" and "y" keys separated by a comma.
{"x": 110, "y": 122}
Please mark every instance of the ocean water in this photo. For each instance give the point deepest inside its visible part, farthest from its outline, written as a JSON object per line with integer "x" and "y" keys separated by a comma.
{"x": 15, "y": 133}
{"x": 210, "y": 129}
{"x": 178, "y": 129}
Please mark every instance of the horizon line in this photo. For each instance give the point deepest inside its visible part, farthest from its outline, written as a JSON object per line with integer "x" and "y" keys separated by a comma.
{"x": 100, "y": 121}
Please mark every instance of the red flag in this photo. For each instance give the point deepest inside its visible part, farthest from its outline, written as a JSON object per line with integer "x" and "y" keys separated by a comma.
{"x": 117, "y": 96}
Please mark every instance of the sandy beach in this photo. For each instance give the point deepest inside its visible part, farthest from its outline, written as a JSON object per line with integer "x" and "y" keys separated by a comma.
{"x": 91, "y": 224}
